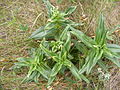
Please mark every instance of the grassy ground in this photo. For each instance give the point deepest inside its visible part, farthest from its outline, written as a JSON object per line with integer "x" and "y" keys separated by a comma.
{"x": 18, "y": 18}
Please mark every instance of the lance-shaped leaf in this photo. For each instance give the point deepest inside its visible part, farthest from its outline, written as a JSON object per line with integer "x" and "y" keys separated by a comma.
{"x": 67, "y": 63}
{"x": 54, "y": 72}
{"x": 41, "y": 29}
{"x": 113, "y": 57}
{"x": 66, "y": 46}
{"x": 74, "y": 71}
{"x": 45, "y": 71}
{"x": 88, "y": 61}
{"x": 41, "y": 34}
{"x": 68, "y": 42}
{"x": 64, "y": 35}
{"x": 22, "y": 62}
{"x": 94, "y": 60}
{"x": 31, "y": 69}
{"x": 49, "y": 7}
{"x": 85, "y": 39}
{"x": 101, "y": 31}
{"x": 56, "y": 69}
{"x": 114, "y": 47}
{"x": 36, "y": 76}
{"x": 70, "y": 10}
{"x": 50, "y": 53}
{"x": 31, "y": 77}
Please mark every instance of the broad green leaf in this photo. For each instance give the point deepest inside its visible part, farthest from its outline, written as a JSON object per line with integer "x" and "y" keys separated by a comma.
{"x": 84, "y": 78}
{"x": 97, "y": 57}
{"x": 44, "y": 69}
{"x": 70, "y": 10}
{"x": 42, "y": 34}
{"x": 45, "y": 72}
{"x": 32, "y": 68}
{"x": 31, "y": 77}
{"x": 88, "y": 61}
{"x": 15, "y": 66}
{"x": 85, "y": 39}
{"x": 103, "y": 39}
{"x": 21, "y": 64}
{"x": 116, "y": 50}
{"x": 68, "y": 42}
{"x": 56, "y": 69}
{"x": 23, "y": 59}
{"x": 54, "y": 72}
{"x": 41, "y": 29}
{"x": 36, "y": 78}
{"x": 62, "y": 70}
{"x": 99, "y": 30}
{"x": 49, "y": 7}
{"x": 115, "y": 59}
{"x": 64, "y": 33}
{"x": 114, "y": 47}
{"x": 74, "y": 24}
{"x": 63, "y": 56}
{"x": 66, "y": 46}
{"x": 74, "y": 71}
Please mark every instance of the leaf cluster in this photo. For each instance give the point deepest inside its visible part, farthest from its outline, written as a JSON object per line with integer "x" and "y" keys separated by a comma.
{"x": 64, "y": 52}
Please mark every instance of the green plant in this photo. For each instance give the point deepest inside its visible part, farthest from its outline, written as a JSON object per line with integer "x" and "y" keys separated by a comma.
{"x": 23, "y": 28}
{"x": 60, "y": 56}
{"x": 36, "y": 65}
{"x": 64, "y": 51}
{"x": 53, "y": 52}
{"x": 98, "y": 48}
{"x": 56, "y": 23}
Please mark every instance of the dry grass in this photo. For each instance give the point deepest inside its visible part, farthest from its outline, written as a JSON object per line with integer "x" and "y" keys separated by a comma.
{"x": 14, "y": 42}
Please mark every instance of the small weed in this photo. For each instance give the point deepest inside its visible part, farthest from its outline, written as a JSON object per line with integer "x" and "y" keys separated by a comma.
{"x": 23, "y": 28}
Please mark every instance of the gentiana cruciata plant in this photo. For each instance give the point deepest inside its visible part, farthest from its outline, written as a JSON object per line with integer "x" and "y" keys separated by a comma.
{"x": 64, "y": 52}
